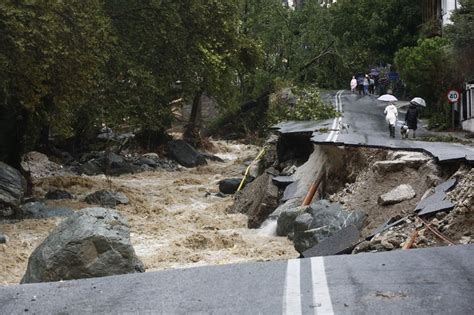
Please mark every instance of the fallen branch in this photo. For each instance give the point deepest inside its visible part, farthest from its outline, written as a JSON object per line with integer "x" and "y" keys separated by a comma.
{"x": 325, "y": 52}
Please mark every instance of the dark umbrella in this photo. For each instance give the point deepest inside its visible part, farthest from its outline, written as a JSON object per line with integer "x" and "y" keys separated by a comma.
{"x": 374, "y": 72}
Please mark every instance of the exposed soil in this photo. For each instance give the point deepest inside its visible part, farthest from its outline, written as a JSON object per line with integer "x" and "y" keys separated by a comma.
{"x": 176, "y": 220}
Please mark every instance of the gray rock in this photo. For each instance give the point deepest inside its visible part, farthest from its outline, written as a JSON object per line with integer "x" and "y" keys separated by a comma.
{"x": 39, "y": 166}
{"x": 147, "y": 161}
{"x": 410, "y": 159}
{"x": 91, "y": 167}
{"x": 258, "y": 199}
{"x": 151, "y": 155}
{"x": 362, "y": 247}
{"x": 39, "y": 210}
{"x": 185, "y": 154}
{"x": 107, "y": 198}
{"x": 397, "y": 195}
{"x": 286, "y": 221}
{"x": 321, "y": 220}
{"x": 230, "y": 185}
{"x": 12, "y": 189}
{"x": 3, "y": 239}
{"x": 94, "y": 242}
{"x": 58, "y": 194}
{"x": 287, "y": 205}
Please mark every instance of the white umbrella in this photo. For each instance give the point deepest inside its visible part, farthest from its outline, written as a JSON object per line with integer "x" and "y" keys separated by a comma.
{"x": 387, "y": 98}
{"x": 418, "y": 101}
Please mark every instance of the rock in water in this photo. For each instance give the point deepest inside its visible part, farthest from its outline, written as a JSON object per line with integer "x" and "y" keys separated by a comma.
{"x": 258, "y": 200}
{"x": 397, "y": 195}
{"x": 106, "y": 198}
{"x": 185, "y": 154}
{"x": 12, "y": 189}
{"x": 94, "y": 242}
{"x": 230, "y": 185}
{"x": 58, "y": 194}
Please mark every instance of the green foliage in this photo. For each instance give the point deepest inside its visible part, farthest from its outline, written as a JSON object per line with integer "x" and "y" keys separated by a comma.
{"x": 371, "y": 31}
{"x": 461, "y": 35}
{"x": 427, "y": 70}
{"x": 309, "y": 106}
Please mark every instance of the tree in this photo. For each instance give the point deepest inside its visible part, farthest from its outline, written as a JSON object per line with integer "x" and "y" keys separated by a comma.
{"x": 427, "y": 71}
{"x": 49, "y": 56}
{"x": 461, "y": 35}
{"x": 371, "y": 31}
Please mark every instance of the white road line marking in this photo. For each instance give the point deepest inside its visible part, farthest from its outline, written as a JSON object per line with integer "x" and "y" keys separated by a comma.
{"x": 321, "y": 298}
{"x": 292, "y": 298}
{"x": 332, "y": 137}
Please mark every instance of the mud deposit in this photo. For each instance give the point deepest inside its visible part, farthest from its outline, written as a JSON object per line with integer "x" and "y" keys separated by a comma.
{"x": 176, "y": 220}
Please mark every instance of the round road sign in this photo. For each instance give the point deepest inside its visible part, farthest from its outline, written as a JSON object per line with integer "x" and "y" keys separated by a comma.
{"x": 453, "y": 96}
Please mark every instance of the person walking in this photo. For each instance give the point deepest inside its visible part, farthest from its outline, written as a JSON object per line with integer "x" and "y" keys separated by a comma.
{"x": 353, "y": 84}
{"x": 391, "y": 115}
{"x": 360, "y": 84}
{"x": 371, "y": 85}
{"x": 411, "y": 119}
{"x": 366, "y": 85}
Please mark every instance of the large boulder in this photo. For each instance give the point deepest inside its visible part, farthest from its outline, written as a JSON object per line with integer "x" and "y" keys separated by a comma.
{"x": 12, "y": 190}
{"x": 107, "y": 198}
{"x": 39, "y": 166}
{"x": 94, "y": 242}
{"x": 258, "y": 199}
{"x": 185, "y": 154}
{"x": 321, "y": 220}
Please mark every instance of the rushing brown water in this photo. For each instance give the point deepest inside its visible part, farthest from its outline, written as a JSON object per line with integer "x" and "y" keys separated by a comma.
{"x": 175, "y": 219}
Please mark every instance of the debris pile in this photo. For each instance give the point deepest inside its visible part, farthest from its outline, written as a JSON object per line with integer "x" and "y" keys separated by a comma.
{"x": 442, "y": 225}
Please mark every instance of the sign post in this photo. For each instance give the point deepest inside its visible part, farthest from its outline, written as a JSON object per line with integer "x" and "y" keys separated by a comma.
{"x": 453, "y": 97}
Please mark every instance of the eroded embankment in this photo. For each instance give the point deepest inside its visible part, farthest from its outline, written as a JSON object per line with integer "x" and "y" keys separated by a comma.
{"x": 176, "y": 220}
{"x": 385, "y": 185}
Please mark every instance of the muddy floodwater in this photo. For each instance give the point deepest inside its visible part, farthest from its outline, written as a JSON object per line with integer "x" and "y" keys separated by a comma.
{"x": 175, "y": 218}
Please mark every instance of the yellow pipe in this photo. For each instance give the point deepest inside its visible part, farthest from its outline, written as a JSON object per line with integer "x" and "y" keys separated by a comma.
{"x": 248, "y": 168}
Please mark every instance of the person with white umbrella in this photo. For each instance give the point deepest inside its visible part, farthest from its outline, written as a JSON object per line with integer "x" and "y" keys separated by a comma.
{"x": 391, "y": 112}
{"x": 411, "y": 117}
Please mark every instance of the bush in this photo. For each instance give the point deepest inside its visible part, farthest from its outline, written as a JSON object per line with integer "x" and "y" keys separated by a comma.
{"x": 305, "y": 104}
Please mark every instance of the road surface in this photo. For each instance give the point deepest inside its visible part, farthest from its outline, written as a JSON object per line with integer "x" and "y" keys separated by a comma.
{"x": 367, "y": 127}
{"x": 423, "y": 281}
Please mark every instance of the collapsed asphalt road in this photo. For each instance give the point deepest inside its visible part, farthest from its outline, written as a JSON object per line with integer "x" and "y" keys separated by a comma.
{"x": 367, "y": 128}
{"x": 433, "y": 281}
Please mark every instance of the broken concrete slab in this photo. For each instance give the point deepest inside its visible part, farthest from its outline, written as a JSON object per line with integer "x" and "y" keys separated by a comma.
{"x": 437, "y": 201}
{"x": 397, "y": 195}
{"x": 302, "y": 126}
{"x": 341, "y": 242}
{"x": 410, "y": 159}
{"x": 282, "y": 181}
{"x": 443, "y": 152}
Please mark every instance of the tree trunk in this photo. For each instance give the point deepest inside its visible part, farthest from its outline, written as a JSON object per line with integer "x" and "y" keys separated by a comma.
{"x": 192, "y": 130}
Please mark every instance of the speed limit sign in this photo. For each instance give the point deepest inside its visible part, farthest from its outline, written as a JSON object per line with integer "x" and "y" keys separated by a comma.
{"x": 453, "y": 96}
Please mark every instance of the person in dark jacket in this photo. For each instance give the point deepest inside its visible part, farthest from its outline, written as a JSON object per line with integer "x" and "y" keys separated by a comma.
{"x": 411, "y": 119}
